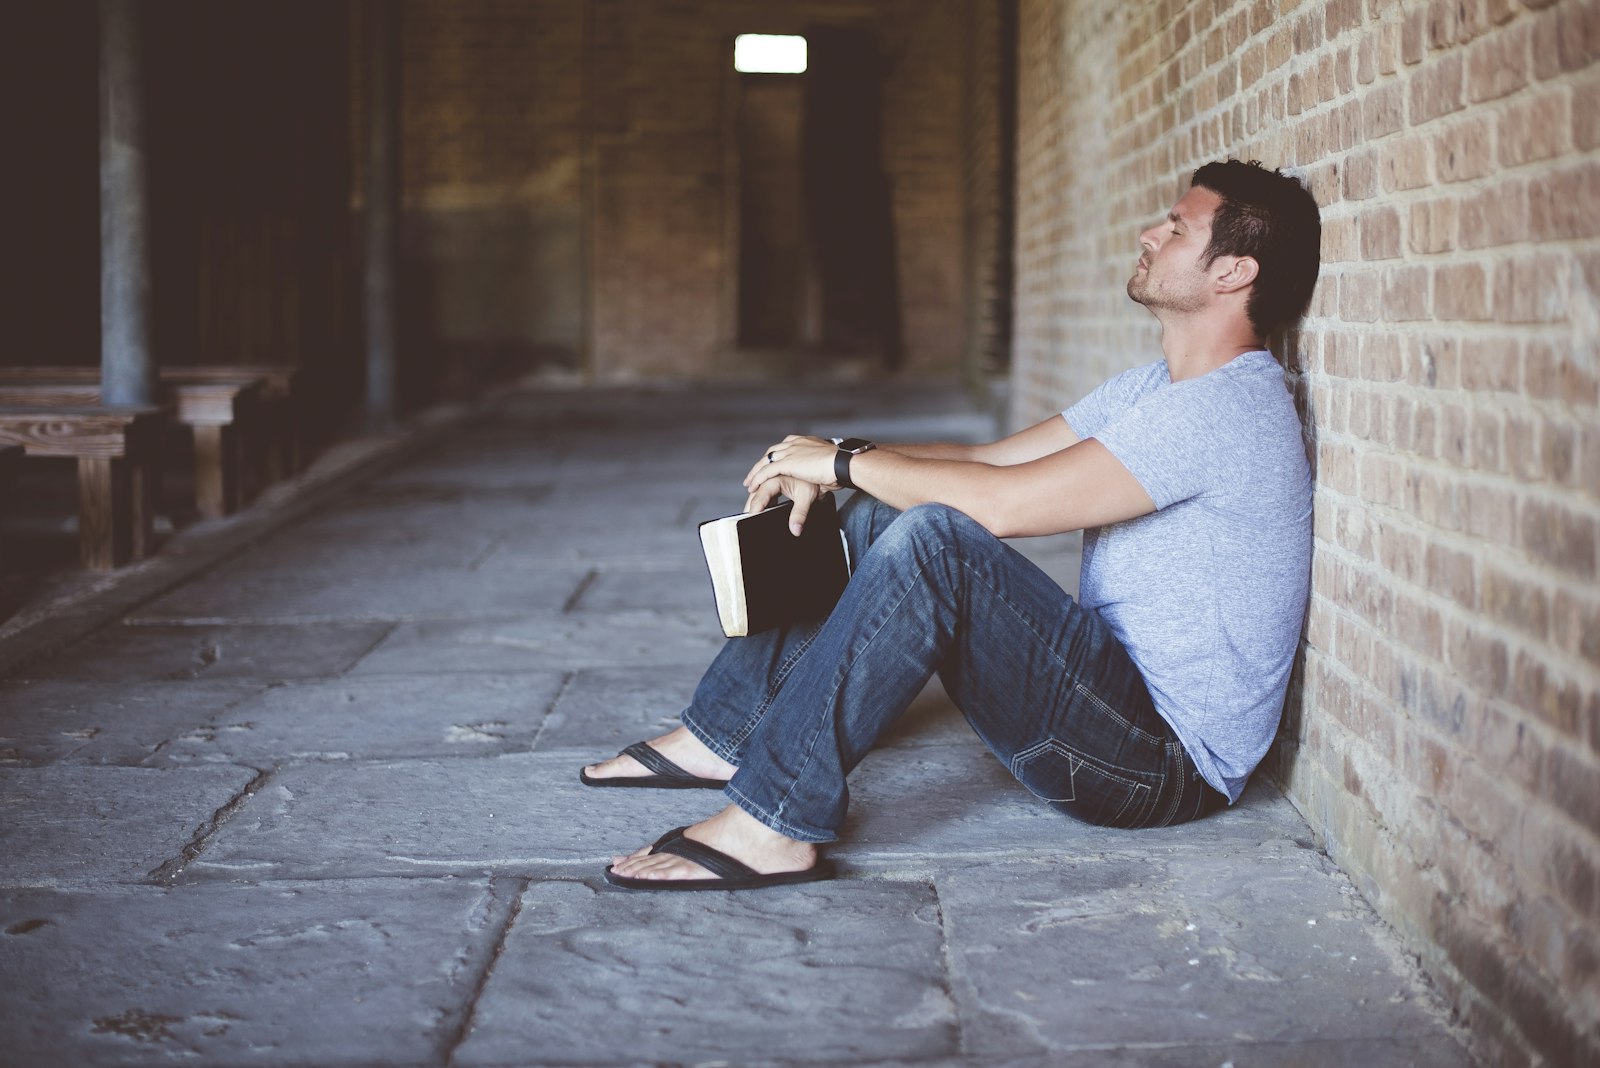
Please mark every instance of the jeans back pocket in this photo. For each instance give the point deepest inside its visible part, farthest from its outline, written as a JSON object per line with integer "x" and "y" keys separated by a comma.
{"x": 1081, "y": 786}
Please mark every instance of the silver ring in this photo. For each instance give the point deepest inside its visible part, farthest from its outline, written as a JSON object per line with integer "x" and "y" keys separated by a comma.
{"x": 771, "y": 459}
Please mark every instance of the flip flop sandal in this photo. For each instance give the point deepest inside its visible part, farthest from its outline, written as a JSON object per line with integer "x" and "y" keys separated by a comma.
{"x": 667, "y": 775}
{"x": 731, "y": 874}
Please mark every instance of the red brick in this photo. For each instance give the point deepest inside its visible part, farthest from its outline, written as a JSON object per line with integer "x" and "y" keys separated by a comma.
{"x": 1405, "y": 293}
{"x": 1413, "y": 32}
{"x": 1556, "y": 373}
{"x": 1572, "y": 615}
{"x": 1360, "y": 176}
{"x": 1514, "y": 600}
{"x": 1436, "y": 89}
{"x": 1340, "y": 240}
{"x": 1496, "y": 216}
{"x": 1586, "y": 110}
{"x": 1490, "y": 365}
{"x": 1443, "y": 20}
{"x": 1498, "y": 65}
{"x": 1451, "y": 574}
{"x": 1490, "y": 512}
{"x": 1479, "y": 657}
{"x": 1405, "y": 165}
{"x": 1400, "y": 552}
{"x": 1523, "y": 456}
{"x": 1431, "y": 226}
{"x": 1556, "y": 535}
{"x": 1367, "y": 59}
{"x": 1380, "y": 234}
{"x": 1383, "y": 109}
{"x": 1487, "y": 434}
{"x": 1565, "y": 204}
{"x": 1533, "y": 129}
{"x": 1463, "y": 152}
{"x": 1359, "y": 296}
{"x": 1531, "y": 289}
{"x": 1460, "y": 293}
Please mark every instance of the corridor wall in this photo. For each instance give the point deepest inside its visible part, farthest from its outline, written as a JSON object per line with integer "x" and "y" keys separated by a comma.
{"x": 1443, "y": 730}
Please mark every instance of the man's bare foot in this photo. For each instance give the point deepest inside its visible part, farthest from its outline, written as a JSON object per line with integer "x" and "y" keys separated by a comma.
{"x": 732, "y": 831}
{"x": 680, "y": 747}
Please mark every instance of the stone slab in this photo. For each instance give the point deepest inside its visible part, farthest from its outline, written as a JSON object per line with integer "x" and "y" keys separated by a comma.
{"x": 67, "y": 824}
{"x": 1395, "y": 1052}
{"x": 320, "y": 596}
{"x": 920, "y": 809}
{"x": 542, "y": 545}
{"x": 844, "y": 972}
{"x": 551, "y": 642}
{"x": 1094, "y": 952}
{"x": 375, "y": 717}
{"x": 375, "y": 972}
{"x": 514, "y": 814}
{"x": 65, "y": 721}
{"x": 918, "y": 812}
{"x": 622, "y": 587}
{"x": 603, "y": 709}
{"x": 378, "y": 553}
{"x": 172, "y": 653}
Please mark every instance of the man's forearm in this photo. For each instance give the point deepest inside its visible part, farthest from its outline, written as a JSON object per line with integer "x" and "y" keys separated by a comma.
{"x": 903, "y": 479}
{"x": 935, "y": 450}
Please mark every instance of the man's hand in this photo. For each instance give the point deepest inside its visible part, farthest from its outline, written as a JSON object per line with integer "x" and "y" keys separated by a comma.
{"x": 803, "y": 494}
{"x": 806, "y": 458}
{"x": 799, "y": 468}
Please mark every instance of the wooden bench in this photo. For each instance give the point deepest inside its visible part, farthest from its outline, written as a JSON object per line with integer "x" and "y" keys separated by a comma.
{"x": 282, "y": 403}
{"x": 118, "y": 451}
{"x": 220, "y": 414}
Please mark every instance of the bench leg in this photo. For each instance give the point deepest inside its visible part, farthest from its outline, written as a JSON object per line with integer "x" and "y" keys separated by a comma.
{"x": 216, "y": 471}
{"x": 144, "y": 491}
{"x": 105, "y": 512}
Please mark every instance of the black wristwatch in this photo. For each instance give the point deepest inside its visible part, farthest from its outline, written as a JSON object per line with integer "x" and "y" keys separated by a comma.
{"x": 848, "y": 447}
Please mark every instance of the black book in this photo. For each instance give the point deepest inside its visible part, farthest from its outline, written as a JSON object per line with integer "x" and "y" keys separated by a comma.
{"x": 763, "y": 576}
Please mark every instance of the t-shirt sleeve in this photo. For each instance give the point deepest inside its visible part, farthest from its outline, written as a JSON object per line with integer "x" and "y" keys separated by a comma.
{"x": 1179, "y": 441}
{"x": 1105, "y": 402}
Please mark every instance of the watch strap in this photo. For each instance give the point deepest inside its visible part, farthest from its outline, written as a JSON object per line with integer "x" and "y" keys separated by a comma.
{"x": 841, "y": 469}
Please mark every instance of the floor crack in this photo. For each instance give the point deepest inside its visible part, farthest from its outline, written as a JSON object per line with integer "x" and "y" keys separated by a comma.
{"x": 174, "y": 867}
{"x": 469, "y": 1014}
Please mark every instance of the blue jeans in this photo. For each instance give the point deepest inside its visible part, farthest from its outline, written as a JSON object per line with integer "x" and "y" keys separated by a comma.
{"x": 1041, "y": 679}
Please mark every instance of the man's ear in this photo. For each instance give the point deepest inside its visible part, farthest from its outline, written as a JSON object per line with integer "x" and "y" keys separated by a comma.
{"x": 1240, "y": 271}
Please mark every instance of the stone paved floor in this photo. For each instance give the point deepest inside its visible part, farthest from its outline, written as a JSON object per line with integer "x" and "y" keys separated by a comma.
{"x": 318, "y": 805}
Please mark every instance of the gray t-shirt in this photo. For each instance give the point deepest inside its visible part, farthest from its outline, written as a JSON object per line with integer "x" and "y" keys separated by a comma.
{"x": 1208, "y": 592}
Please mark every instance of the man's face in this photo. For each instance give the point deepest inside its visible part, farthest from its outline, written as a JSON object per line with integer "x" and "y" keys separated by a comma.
{"x": 1169, "y": 275}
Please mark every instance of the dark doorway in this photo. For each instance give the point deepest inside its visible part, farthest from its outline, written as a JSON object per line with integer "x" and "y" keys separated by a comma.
{"x": 775, "y": 276}
{"x": 816, "y": 235}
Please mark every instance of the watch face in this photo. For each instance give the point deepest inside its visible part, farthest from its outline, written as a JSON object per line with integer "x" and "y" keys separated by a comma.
{"x": 856, "y": 445}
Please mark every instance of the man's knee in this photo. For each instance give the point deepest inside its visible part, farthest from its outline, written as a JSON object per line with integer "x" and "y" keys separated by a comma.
{"x": 863, "y": 518}
{"x": 933, "y": 525}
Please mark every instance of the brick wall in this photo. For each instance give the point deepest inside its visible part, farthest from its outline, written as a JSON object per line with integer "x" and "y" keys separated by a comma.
{"x": 990, "y": 106}
{"x": 1443, "y": 732}
{"x": 571, "y": 186}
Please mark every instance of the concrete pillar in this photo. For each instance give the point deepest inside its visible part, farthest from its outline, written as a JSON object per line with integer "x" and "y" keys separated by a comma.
{"x": 127, "y": 369}
{"x": 382, "y": 209}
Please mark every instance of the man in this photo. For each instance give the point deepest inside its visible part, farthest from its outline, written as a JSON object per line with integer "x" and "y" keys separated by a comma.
{"x": 1146, "y": 702}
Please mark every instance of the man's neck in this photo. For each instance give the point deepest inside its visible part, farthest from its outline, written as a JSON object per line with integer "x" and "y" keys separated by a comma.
{"x": 1192, "y": 352}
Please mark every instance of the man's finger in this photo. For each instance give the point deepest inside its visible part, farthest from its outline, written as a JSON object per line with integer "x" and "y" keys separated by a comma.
{"x": 797, "y": 515}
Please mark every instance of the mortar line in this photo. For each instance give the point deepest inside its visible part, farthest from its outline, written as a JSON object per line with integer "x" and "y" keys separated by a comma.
{"x": 469, "y": 1012}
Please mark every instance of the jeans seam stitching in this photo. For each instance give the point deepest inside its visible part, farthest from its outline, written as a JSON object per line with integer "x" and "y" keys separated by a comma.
{"x": 1114, "y": 714}
{"x": 811, "y": 749}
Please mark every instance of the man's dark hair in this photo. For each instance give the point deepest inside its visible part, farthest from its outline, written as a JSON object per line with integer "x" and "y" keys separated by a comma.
{"x": 1271, "y": 217}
